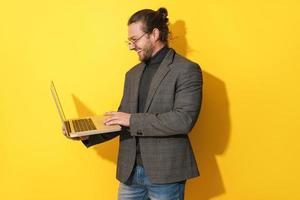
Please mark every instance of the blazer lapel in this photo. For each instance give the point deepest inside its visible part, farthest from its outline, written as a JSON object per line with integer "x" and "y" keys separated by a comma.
{"x": 162, "y": 71}
{"x": 135, "y": 87}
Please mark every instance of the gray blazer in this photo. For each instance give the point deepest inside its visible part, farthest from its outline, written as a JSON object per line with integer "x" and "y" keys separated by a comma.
{"x": 171, "y": 110}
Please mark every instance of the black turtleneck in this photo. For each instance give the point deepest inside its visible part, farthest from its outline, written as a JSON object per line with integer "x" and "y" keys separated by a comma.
{"x": 150, "y": 69}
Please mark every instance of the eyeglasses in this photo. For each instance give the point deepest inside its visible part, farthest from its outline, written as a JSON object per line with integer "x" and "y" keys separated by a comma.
{"x": 134, "y": 41}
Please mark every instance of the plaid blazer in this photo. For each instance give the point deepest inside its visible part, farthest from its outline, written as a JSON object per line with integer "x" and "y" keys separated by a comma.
{"x": 171, "y": 110}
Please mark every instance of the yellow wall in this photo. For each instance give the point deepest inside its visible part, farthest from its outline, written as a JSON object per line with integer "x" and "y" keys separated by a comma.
{"x": 246, "y": 140}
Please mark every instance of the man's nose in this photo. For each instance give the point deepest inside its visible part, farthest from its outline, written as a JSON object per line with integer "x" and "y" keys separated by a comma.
{"x": 131, "y": 46}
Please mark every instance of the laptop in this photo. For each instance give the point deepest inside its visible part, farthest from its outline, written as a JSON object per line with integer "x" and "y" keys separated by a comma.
{"x": 78, "y": 127}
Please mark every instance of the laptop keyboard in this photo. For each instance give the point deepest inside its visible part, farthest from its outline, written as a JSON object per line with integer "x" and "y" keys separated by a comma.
{"x": 83, "y": 125}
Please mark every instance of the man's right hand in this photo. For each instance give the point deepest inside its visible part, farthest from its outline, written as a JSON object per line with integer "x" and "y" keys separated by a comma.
{"x": 64, "y": 131}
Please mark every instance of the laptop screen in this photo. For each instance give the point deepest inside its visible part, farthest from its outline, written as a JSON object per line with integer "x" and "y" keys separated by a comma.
{"x": 57, "y": 102}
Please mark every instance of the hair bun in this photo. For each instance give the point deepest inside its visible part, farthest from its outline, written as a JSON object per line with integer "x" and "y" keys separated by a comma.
{"x": 164, "y": 13}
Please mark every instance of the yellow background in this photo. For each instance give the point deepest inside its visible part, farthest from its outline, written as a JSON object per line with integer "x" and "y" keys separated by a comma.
{"x": 246, "y": 140}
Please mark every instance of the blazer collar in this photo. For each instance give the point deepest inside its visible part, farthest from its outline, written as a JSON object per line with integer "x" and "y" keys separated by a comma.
{"x": 161, "y": 72}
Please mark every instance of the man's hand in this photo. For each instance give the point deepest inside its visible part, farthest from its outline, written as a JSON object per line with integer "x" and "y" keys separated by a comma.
{"x": 120, "y": 118}
{"x": 64, "y": 131}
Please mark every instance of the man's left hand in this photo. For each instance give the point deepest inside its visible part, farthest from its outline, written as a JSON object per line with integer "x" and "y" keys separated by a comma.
{"x": 119, "y": 118}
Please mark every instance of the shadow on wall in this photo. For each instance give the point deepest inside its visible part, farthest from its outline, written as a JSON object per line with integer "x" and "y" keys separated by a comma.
{"x": 209, "y": 137}
{"x": 211, "y": 133}
{"x": 107, "y": 150}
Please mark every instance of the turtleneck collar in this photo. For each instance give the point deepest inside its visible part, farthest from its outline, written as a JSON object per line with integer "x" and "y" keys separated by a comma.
{"x": 158, "y": 56}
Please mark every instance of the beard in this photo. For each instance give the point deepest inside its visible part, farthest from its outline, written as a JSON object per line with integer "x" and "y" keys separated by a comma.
{"x": 145, "y": 53}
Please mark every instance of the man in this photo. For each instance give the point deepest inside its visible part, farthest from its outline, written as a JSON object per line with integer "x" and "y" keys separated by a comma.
{"x": 160, "y": 105}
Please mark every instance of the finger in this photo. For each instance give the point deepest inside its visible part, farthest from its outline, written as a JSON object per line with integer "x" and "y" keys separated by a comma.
{"x": 113, "y": 122}
{"x": 84, "y": 137}
{"x": 110, "y": 113}
{"x": 75, "y": 138}
{"x": 67, "y": 136}
{"x": 107, "y": 120}
{"x": 63, "y": 131}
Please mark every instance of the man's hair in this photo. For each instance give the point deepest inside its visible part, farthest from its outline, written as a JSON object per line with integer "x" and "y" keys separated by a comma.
{"x": 153, "y": 19}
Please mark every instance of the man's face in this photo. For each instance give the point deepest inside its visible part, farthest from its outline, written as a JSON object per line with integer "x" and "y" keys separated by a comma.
{"x": 139, "y": 41}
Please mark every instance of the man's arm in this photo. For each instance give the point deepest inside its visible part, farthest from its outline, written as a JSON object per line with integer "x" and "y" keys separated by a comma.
{"x": 99, "y": 138}
{"x": 180, "y": 120}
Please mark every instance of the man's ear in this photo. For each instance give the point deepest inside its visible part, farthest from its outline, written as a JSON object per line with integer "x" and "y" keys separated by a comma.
{"x": 155, "y": 34}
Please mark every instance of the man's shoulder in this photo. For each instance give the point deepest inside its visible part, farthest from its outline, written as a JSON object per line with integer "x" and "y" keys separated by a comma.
{"x": 134, "y": 69}
{"x": 183, "y": 63}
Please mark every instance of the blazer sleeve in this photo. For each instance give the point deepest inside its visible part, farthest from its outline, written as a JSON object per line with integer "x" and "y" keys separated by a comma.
{"x": 100, "y": 138}
{"x": 183, "y": 116}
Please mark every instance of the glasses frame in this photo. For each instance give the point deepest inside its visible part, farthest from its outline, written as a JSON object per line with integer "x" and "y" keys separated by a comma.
{"x": 134, "y": 41}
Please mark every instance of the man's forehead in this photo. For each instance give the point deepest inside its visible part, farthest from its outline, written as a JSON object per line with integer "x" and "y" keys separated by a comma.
{"x": 135, "y": 29}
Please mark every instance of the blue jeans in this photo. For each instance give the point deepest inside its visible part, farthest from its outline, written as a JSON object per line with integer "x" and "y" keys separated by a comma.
{"x": 140, "y": 188}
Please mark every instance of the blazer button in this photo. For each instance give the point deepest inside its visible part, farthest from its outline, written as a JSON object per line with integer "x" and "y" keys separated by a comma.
{"x": 139, "y": 133}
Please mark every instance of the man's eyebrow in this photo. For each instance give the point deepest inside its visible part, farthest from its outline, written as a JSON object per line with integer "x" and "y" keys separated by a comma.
{"x": 132, "y": 37}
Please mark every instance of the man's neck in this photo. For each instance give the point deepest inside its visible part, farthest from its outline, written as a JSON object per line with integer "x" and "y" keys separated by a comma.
{"x": 158, "y": 47}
